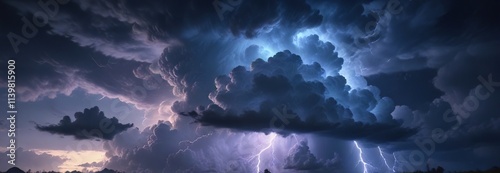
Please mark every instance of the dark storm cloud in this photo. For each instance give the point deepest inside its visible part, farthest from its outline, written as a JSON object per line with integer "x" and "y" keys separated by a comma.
{"x": 466, "y": 109}
{"x": 125, "y": 29}
{"x": 190, "y": 73}
{"x": 263, "y": 122}
{"x": 463, "y": 132}
{"x": 396, "y": 86}
{"x": 160, "y": 148}
{"x": 53, "y": 82}
{"x": 28, "y": 159}
{"x": 346, "y": 20}
{"x": 131, "y": 31}
{"x": 47, "y": 71}
{"x": 248, "y": 101}
{"x": 262, "y": 16}
{"x": 442, "y": 47}
{"x": 464, "y": 127}
{"x": 191, "y": 68}
{"x": 456, "y": 39}
{"x": 301, "y": 158}
{"x": 113, "y": 29}
{"x": 457, "y": 78}
{"x": 148, "y": 151}
{"x": 321, "y": 52}
{"x": 399, "y": 35}
{"x": 61, "y": 73}
{"x": 89, "y": 124}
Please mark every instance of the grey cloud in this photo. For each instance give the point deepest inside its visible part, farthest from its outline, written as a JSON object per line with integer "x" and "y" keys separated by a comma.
{"x": 89, "y": 124}
{"x": 244, "y": 100}
{"x": 272, "y": 16}
{"x": 301, "y": 158}
{"x": 160, "y": 148}
{"x": 29, "y": 159}
{"x": 50, "y": 72}
{"x": 142, "y": 155}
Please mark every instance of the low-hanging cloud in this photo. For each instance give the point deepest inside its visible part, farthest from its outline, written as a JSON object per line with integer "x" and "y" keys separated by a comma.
{"x": 89, "y": 124}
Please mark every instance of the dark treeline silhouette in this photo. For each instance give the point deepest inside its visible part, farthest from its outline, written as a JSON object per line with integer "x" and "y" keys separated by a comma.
{"x": 17, "y": 170}
{"x": 440, "y": 169}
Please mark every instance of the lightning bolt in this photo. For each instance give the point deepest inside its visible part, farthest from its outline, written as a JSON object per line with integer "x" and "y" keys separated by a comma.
{"x": 188, "y": 142}
{"x": 296, "y": 140}
{"x": 274, "y": 157}
{"x": 271, "y": 142}
{"x": 395, "y": 162}
{"x": 361, "y": 160}
{"x": 385, "y": 161}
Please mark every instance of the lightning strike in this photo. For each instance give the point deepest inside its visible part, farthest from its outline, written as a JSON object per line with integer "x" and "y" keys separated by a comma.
{"x": 271, "y": 142}
{"x": 395, "y": 162}
{"x": 188, "y": 142}
{"x": 274, "y": 157}
{"x": 365, "y": 165}
{"x": 383, "y": 157}
{"x": 296, "y": 140}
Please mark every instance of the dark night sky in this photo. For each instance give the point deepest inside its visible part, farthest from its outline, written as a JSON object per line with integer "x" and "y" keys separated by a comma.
{"x": 248, "y": 85}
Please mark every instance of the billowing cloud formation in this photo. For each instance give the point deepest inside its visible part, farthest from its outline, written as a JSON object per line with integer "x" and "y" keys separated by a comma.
{"x": 49, "y": 72}
{"x": 149, "y": 152}
{"x": 321, "y": 52}
{"x": 253, "y": 101}
{"x": 447, "y": 44}
{"x": 62, "y": 74}
{"x": 301, "y": 158}
{"x": 160, "y": 148}
{"x": 132, "y": 36}
{"x": 89, "y": 124}
{"x": 274, "y": 14}
{"x": 393, "y": 36}
{"x": 397, "y": 85}
{"x": 28, "y": 159}
{"x": 439, "y": 55}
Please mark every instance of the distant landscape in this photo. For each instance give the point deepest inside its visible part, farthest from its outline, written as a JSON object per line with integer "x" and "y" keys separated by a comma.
{"x": 105, "y": 170}
{"x": 17, "y": 170}
{"x": 442, "y": 170}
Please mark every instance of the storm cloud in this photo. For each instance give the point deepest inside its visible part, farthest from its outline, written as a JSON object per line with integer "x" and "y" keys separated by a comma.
{"x": 89, "y": 124}
{"x": 253, "y": 100}
{"x": 386, "y": 73}
{"x": 301, "y": 158}
{"x": 33, "y": 160}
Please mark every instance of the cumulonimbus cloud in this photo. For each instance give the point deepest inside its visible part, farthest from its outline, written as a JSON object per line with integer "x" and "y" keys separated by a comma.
{"x": 89, "y": 124}
{"x": 247, "y": 100}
